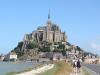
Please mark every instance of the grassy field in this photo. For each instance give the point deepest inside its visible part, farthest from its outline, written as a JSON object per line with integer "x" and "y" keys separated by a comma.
{"x": 60, "y": 68}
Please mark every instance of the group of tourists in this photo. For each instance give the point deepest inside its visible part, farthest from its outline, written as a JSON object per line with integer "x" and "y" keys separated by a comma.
{"x": 76, "y": 63}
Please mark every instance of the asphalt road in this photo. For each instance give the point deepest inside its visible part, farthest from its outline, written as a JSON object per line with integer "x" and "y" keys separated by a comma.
{"x": 94, "y": 67}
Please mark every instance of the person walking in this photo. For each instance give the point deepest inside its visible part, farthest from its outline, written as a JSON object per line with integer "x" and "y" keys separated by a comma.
{"x": 74, "y": 64}
{"x": 78, "y": 65}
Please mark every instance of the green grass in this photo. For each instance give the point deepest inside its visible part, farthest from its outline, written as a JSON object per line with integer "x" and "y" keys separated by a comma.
{"x": 60, "y": 68}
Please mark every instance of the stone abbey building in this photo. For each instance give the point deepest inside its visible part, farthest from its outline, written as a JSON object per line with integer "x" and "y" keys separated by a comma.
{"x": 50, "y": 33}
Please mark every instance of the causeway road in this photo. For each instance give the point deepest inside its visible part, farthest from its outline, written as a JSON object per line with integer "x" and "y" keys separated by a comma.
{"x": 95, "y": 68}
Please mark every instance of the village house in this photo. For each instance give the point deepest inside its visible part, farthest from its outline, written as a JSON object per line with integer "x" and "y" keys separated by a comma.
{"x": 1, "y": 57}
{"x": 12, "y": 56}
{"x": 91, "y": 59}
{"x": 99, "y": 60}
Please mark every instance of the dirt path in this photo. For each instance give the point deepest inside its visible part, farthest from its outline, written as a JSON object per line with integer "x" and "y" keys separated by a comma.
{"x": 39, "y": 70}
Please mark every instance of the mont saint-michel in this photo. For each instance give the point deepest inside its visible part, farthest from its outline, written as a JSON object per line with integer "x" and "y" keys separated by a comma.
{"x": 49, "y": 33}
{"x": 45, "y": 38}
{"x": 48, "y": 42}
{"x": 49, "y": 37}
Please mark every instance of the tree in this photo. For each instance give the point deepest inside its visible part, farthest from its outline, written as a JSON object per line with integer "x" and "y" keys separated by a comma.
{"x": 31, "y": 46}
{"x": 64, "y": 52}
{"x": 78, "y": 48}
{"x": 45, "y": 49}
{"x": 18, "y": 50}
{"x": 68, "y": 43}
{"x": 20, "y": 44}
{"x": 61, "y": 46}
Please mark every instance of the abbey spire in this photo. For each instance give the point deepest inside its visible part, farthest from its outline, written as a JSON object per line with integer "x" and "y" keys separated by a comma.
{"x": 49, "y": 15}
{"x": 49, "y": 24}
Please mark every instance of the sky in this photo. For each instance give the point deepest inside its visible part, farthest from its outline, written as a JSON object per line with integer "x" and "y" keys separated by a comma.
{"x": 80, "y": 19}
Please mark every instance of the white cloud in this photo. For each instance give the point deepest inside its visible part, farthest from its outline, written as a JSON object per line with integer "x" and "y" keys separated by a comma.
{"x": 95, "y": 46}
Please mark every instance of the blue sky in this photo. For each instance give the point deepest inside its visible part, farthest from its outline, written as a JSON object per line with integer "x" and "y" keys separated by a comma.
{"x": 80, "y": 19}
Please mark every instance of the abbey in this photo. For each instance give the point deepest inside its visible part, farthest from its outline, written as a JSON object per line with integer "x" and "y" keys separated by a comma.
{"x": 49, "y": 33}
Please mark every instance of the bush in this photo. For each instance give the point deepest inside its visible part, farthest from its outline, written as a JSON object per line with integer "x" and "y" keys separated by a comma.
{"x": 31, "y": 46}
